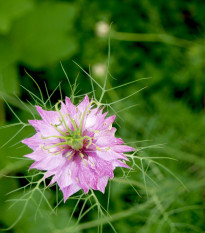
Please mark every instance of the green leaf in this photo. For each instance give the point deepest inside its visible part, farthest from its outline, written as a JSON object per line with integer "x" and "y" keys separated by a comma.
{"x": 35, "y": 218}
{"x": 43, "y": 36}
{"x": 9, "y": 80}
{"x": 11, "y": 10}
{"x": 8, "y": 53}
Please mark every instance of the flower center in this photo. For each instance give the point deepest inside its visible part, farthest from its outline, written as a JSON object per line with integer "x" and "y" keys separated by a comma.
{"x": 75, "y": 141}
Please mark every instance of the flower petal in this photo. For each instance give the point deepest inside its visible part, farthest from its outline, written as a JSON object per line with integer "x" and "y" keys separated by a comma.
{"x": 44, "y": 128}
{"x": 70, "y": 107}
{"x": 33, "y": 142}
{"x": 77, "y": 172}
{"x": 84, "y": 104}
{"x": 122, "y": 148}
{"x": 70, "y": 190}
{"x": 102, "y": 183}
{"x": 49, "y": 162}
{"x": 110, "y": 155}
{"x": 48, "y": 116}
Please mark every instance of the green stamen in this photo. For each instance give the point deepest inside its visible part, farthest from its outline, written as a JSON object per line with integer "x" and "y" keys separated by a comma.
{"x": 70, "y": 154}
{"x": 55, "y": 136}
{"x": 54, "y": 145}
{"x": 72, "y": 139}
{"x": 81, "y": 122}
{"x": 55, "y": 126}
{"x": 82, "y": 157}
{"x": 89, "y": 139}
{"x": 58, "y": 110}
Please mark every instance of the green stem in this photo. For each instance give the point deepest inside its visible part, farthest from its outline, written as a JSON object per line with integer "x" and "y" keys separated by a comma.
{"x": 89, "y": 139}
{"x": 58, "y": 129}
{"x": 61, "y": 137}
{"x": 81, "y": 122}
{"x": 151, "y": 37}
{"x": 57, "y": 144}
{"x": 57, "y": 109}
{"x": 2, "y": 113}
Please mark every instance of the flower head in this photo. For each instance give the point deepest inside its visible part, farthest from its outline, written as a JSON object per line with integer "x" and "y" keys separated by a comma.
{"x": 77, "y": 146}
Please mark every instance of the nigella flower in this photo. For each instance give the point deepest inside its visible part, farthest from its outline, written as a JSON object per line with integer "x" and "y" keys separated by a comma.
{"x": 77, "y": 146}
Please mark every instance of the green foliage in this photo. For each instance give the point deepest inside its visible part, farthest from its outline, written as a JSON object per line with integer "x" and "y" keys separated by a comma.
{"x": 155, "y": 39}
{"x": 37, "y": 34}
{"x": 10, "y": 11}
{"x": 45, "y": 33}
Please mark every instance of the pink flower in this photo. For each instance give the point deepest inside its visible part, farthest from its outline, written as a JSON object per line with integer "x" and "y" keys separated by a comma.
{"x": 77, "y": 146}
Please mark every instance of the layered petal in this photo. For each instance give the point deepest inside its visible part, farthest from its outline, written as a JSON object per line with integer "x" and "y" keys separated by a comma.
{"x": 50, "y": 117}
{"x": 44, "y": 128}
{"x": 49, "y": 162}
{"x": 33, "y": 142}
{"x": 91, "y": 163}
{"x": 122, "y": 148}
{"x": 84, "y": 104}
{"x": 70, "y": 190}
{"x": 110, "y": 155}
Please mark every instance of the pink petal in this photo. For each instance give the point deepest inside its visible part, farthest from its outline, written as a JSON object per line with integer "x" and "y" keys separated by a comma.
{"x": 109, "y": 120}
{"x": 37, "y": 155}
{"x": 64, "y": 179}
{"x": 65, "y": 110}
{"x": 70, "y": 107}
{"x": 49, "y": 173}
{"x": 48, "y": 116}
{"x": 44, "y": 128}
{"x": 107, "y": 141}
{"x": 49, "y": 162}
{"x": 118, "y": 163}
{"x": 70, "y": 190}
{"x": 110, "y": 155}
{"x": 84, "y": 104}
{"x": 86, "y": 177}
{"x": 33, "y": 142}
{"x": 94, "y": 170}
{"x": 102, "y": 183}
{"x": 122, "y": 148}
{"x": 90, "y": 122}
{"x": 100, "y": 166}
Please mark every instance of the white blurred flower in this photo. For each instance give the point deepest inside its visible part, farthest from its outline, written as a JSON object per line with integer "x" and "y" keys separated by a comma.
{"x": 99, "y": 69}
{"x": 102, "y": 28}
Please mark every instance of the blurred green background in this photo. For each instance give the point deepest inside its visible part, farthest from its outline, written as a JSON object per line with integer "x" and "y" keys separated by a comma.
{"x": 159, "y": 39}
